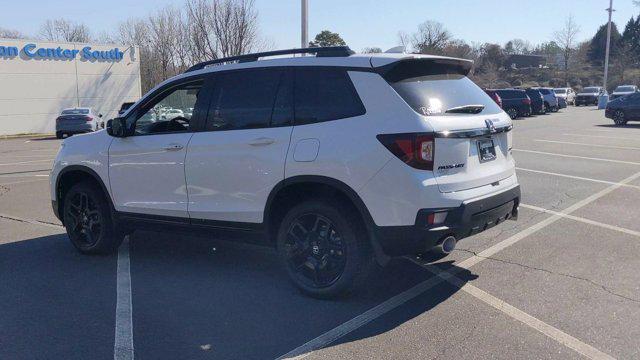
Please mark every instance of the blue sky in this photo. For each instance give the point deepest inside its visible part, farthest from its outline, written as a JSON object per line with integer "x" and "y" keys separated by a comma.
{"x": 361, "y": 23}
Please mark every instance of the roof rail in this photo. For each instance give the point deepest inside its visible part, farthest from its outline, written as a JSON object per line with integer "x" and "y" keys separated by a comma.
{"x": 327, "y": 51}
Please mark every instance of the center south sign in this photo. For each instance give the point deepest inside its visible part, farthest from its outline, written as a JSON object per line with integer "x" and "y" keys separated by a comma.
{"x": 32, "y": 51}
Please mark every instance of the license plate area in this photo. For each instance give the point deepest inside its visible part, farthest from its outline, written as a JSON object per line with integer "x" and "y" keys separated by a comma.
{"x": 486, "y": 150}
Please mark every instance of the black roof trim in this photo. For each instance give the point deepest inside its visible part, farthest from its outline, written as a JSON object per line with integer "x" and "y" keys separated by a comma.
{"x": 328, "y": 51}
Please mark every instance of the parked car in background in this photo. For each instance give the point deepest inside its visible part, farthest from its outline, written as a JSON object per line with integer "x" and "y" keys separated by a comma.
{"x": 589, "y": 95}
{"x": 550, "y": 99}
{"x": 537, "y": 102}
{"x": 567, "y": 94}
{"x": 77, "y": 121}
{"x": 515, "y": 102}
{"x": 124, "y": 107}
{"x": 494, "y": 95}
{"x": 624, "y": 109}
{"x": 623, "y": 90}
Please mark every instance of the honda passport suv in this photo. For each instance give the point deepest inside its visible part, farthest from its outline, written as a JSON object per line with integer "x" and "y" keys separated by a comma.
{"x": 340, "y": 161}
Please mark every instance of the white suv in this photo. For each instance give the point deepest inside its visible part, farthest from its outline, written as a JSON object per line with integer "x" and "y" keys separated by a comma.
{"x": 336, "y": 159}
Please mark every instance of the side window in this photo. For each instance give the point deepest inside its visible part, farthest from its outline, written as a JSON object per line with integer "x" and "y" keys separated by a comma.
{"x": 323, "y": 95}
{"x": 169, "y": 112}
{"x": 245, "y": 100}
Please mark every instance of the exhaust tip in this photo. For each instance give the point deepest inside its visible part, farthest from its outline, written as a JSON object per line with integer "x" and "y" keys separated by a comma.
{"x": 446, "y": 246}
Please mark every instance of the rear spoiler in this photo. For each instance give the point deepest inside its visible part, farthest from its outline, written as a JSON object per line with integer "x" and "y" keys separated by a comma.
{"x": 416, "y": 67}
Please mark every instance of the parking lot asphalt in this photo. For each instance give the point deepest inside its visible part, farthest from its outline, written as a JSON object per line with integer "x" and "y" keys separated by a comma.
{"x": 560, "y": 283}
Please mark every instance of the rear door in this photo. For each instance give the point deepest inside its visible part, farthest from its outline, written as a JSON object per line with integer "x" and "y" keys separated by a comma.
{"x": 233, "y": 165}
{"x": 472, "y": 134}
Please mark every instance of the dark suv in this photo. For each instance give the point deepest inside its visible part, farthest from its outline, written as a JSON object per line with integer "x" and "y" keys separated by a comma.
{"x": 624, "y": 109}
{"x": 537, "y": 101}
{"x": 515, "y": 102}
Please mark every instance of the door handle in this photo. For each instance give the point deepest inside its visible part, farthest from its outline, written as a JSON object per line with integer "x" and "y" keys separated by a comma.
{"x": 173, "y": 147}
{"x": 262, "y": 141}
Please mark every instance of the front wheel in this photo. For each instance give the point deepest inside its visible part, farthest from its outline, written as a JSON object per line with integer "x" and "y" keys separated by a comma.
{"x": 324, "y": 253}
{"x": 87, "y": 219}
{"x": 619, "y": 118}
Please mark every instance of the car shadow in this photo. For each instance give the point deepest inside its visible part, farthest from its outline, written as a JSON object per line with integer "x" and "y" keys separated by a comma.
{"x": 191, "y": 297}
{"x": 235, "y": 299}
{"x": 627, "y": 126}
{"x": 49, "y": 138}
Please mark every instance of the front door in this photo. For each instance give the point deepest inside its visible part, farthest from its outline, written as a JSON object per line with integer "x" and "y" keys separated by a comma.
{"x": 146, "y": 169}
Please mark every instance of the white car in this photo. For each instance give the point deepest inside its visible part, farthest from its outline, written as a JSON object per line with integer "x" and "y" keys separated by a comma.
{"x": 623, "y": 90}
{"x": 567, "y": 94}
{"x": 337, "y": 160}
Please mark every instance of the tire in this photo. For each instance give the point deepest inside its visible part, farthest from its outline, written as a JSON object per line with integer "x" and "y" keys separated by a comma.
{"x": 87, "y": 219}
{"x": 619, "y": 118}
{"x": 324, "y": 253}
{"x": 513, "y": 113}
{"x": 59, "y": 135}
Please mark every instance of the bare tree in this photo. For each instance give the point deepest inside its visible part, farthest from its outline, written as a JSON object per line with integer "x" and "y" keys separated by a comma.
{"x": 371, "y": 50}
{"x": 11, "y": 34}
{"x": 430, "y": 38}
{"x": 65, "y": 30}
{"x": 566, "y": 39}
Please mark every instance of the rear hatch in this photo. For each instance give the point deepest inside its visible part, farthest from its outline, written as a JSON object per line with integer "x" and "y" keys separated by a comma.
{"x": 74, "y": 117}
{"x": 472, "y": 134}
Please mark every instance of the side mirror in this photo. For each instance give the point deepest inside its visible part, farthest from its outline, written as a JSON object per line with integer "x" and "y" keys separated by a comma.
{"x": 117, "y": 127}
{"x": 100, "y": 115}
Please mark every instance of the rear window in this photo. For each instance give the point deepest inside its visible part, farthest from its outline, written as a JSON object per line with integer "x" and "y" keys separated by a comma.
{"x": 512, "y": 94}
{"x": 544, "y": 91}
{"x": 560, "y": 91}
{"x": 591, "y": 90}
{"x": 75, "y": 112}
{"x": 431, "y": 95}
{"x": 625, "y": 89}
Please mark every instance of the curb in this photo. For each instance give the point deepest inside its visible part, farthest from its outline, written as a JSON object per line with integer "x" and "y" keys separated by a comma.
{"x": 22, "y": 136}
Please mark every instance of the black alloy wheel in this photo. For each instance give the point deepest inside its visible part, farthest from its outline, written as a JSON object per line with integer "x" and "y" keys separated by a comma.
{"x": 83, "y": 219}
{"x": 619, "y": 118}
{"x": 513, "y": 113}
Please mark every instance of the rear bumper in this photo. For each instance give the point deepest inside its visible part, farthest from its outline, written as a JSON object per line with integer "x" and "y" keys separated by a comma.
{"x": 468, "y": 219}
{"x": 75, "y": 128}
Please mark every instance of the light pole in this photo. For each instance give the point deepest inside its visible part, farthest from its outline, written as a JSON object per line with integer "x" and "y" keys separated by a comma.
{"x": 602, "y": 102}
{"x": 305, "y": 24}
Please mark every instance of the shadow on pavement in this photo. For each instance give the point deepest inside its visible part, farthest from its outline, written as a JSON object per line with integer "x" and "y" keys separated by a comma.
{"x": 235, "y": 299}
{"x": 627, "y": 126}
{"x": 55, "y": 302}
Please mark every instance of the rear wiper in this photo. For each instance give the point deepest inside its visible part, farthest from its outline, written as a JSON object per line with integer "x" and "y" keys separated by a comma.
{"x": 466, "y": 109}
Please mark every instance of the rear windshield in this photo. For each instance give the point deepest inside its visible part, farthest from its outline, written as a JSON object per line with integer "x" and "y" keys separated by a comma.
{"x": 512, "y": 94}
{"x": 560, "y": 91}
{"x": 544, "y": 91}
{"x": 591, "y": 90}
{"x": 625, "y": 89}
{"x": 75, "y": 112}
{"x": 431, "y": 95}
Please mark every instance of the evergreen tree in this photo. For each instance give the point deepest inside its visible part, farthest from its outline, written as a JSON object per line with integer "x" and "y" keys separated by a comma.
{"x": 598, "y": 45}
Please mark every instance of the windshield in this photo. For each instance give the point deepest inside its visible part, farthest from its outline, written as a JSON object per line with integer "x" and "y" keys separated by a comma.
{"x": 590, "y": 90}
{"x": 560, "y": 91}
{"x": 435, "y": 94}
{"x": 75, "y": 112}
{"x": 625, "y": 89}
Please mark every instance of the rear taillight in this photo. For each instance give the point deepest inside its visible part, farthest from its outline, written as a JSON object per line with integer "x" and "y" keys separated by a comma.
{"x": 526, "y": 101}
{"x": 499, "y": 100}
{"x": 88, "y": 118}
{"x": 58, "y": 119}
{"x": 414, "y": 149}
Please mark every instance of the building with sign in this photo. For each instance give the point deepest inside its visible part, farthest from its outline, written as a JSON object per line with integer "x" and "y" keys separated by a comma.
{"x": 38, "y": 79}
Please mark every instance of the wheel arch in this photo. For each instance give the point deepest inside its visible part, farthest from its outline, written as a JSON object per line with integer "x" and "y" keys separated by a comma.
{"x": 72, "y": 175}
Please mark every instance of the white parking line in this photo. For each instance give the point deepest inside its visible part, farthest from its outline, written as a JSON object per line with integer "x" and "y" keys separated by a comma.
{"x": 583, "y": 220}
{"x": 578, "y": 157}
{"x": 26, "y": 162}
{"x": 123, "y": 345}
{"x": 517, "y": 314}
{"x": 576, "y": 177}
{"x": 388, "y": 305}
{"x": 587, "y": 144}
{"x": 603, "y": 137}
{"x": 22, "y": 182}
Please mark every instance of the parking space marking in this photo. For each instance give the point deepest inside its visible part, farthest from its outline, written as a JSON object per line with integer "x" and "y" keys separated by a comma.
{"x": 578, "y": 157}
{"x": 31, "y": 221}
{"x": 26, "y": 162}
{"x": 577, "y": 177}
{"x": 517, "y": 314}
{"x": 123, "y": 345}
{"x": 332, "y": 335}
{"x": 583, "y": 220}
{"x": 587, "y": 144}
{"x": 603, "y": 137}
{"x": 22, "y": 182}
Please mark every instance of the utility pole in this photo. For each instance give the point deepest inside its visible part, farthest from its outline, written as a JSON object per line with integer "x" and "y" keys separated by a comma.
{"x": 305, "y": 24}
{"x": 602, "y": 103}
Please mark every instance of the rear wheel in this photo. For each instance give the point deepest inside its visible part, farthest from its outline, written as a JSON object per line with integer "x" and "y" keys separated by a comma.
{"x": 619, "y": 118}
{"x": 87, "y": 219}
{"x": 59, "y": 134}
{"x": 513, "y": 113}
{"x": 322, "y": 250}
